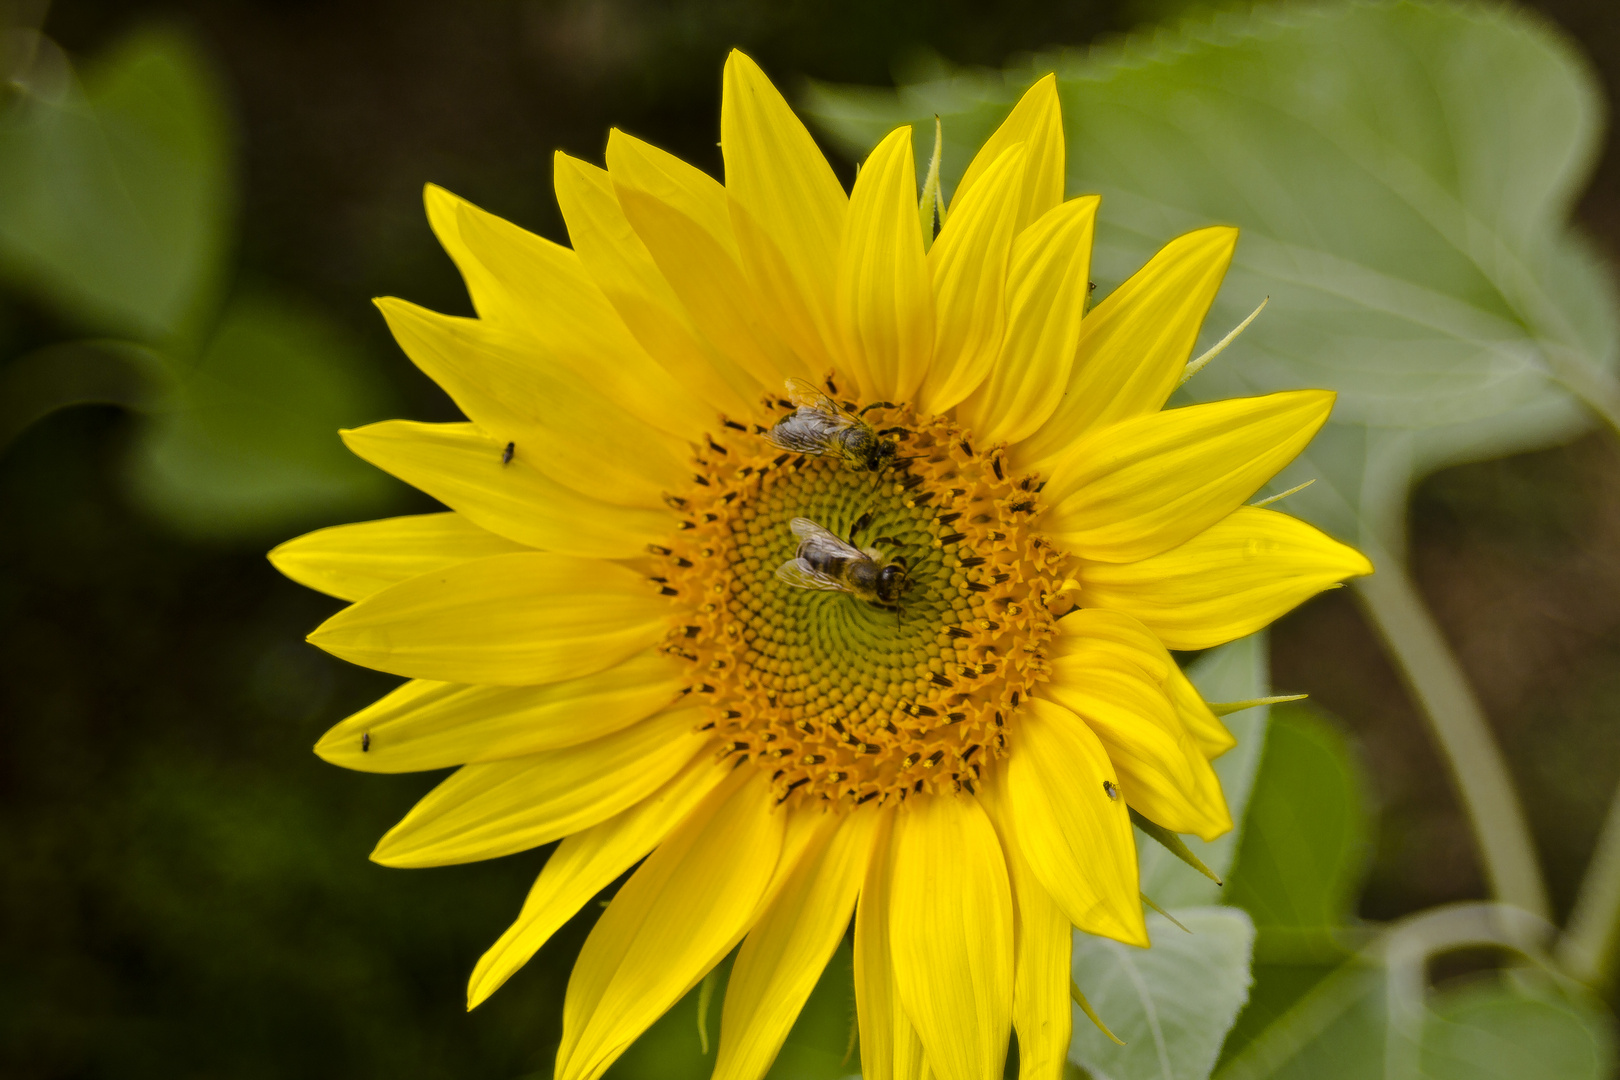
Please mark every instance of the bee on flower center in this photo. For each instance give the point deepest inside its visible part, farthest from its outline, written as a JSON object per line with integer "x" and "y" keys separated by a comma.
{"x": 824, "y": 562}
{"x": 819, "y": 425}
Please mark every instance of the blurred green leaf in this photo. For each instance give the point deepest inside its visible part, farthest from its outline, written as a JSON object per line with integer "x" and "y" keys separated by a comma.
{"x": 1335, "y": 1032}
{"x": 1492, "y": 1030}
{"x": 1304, "y": 845}
{"x": 1402, "y": 173}
{"x": 1234, "y": 672}
{"x": 1299, "y": 863}
{"x": 1498, "y": 1028}
{"x": 1171, "y": 1004}
{"x": 115, "y": 192}
{"x": 249, "y": 443}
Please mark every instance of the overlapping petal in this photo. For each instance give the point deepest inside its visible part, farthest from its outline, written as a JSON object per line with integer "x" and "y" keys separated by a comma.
{"x": 951, "y": 932}
{"x": 500, "y": 807}
{"x": 1036, "y": 122}
{"x": 682, "y": 216}
{"x": 586, "y": 863}
{"x": 1162, "y": 772}
{"x": 969, "y": 266}
{"x": 528, "y": 284}
{"x": 354, "y": 561}
{"x": 1240, "y": 574}
{"x": 1047, "y": 286}
{"x": 885, "y": 295}
{"x": 468, "y": 471}
{"x": 687, "y": 906}
{"x": 890, "y": 1047}
{"x": 1044, "y": 939}
{"x": 624, "y": 270}
{"x": 433, "y": 725}
{"x": 783, "y": 956}
{"x": 1138, "y": 488}
{"x": 508, "y": 620}
{"x": 788, "y": 211}
{"x": 1076, "y": 838}
{"x": 1114, "y": 636}
{"x": 562, "y": 423}
{"x": 1135, "y": 344}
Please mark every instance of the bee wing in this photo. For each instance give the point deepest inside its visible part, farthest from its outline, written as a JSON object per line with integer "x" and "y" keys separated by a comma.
{"x": 807, "y": 395}
{"x": 797, "y": 572}
{"x": 801, "y": 433}
{"x": 813, "y": 537}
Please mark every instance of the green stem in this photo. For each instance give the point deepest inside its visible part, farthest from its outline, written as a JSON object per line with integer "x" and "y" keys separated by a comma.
{"x": 1477, "y": 768}
{"x": 76, "y": 373}
{"x": 1596, "y": 387}
{"x": 1588, "y": 946}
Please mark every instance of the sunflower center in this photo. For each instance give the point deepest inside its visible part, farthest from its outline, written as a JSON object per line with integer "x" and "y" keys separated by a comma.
{"x": 849, "y": 699}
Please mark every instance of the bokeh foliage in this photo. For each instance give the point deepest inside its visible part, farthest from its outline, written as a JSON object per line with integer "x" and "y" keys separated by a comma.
{"x": 116, "y": 213}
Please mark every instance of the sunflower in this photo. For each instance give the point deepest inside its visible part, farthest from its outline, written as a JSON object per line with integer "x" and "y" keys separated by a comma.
{"x": 642, "y": 629}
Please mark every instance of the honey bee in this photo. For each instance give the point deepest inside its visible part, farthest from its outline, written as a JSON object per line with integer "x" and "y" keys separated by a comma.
{"x": 826, "y": 563}
{"x": 819, "y": 425}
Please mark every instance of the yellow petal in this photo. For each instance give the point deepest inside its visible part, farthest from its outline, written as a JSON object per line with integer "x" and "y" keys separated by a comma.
{"x": 1134, "y": 489}
{"x": 508, "y": 620}
{"x": 433, "y": 725}
{"x": 463, "y": 467}
{"x": 619, "y": 263}
{"x": 1045, "y": 942}
{"x": 968, "y": 263}
{"x": 586, "y": 863}
{"x": 951, "y": 928}
{"x": 890, "y": 1048}
{"x": 677, "y": 916}
{"x": 1162, "y": 773}
{"x": 1037, "y": 122}
{"x": 556, "y": 418}
{"x": 1228, "y": 581}
{"x": 353, "y": 561}
{"x": 685, "y": 189}
{"x": 1135, "y": 343}
{"x": 682, "y": 217}
{"x": 1047, "y": 287}
{"x": 1119, "y": 636}
{"x": 885, "y": 298}
{"x": 1198, "y": 718}
{"x": 528, "y": 284}
{"x": 499, "y": 807}
{"x": 788, "y": 209}
{"x": 784, "y": 954}
{"x": 1077, "y": 840}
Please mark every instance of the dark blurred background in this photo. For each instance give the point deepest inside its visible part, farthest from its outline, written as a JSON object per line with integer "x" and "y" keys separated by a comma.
{"x": 185, "y": 886}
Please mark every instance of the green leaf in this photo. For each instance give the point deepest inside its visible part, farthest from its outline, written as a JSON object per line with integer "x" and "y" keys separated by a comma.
{"x": 1335, "y": 1032}
{"x": 1299, "y": 863}
{"x": 249, "y": 443}
{"x": 1232, "y": 672}
{"x": 1493, "y": 1030}
{"x": 1304, "y": 845}
{"x": 1172, "y": 1004}
{"x": 1498, "y": 1028}
{"x": 1402, "y": 174}
{"x": 115, "y": 193}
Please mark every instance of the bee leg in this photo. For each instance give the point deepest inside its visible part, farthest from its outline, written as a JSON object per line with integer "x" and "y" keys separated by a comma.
{"x": 860, "y": 523}
{"x": 879, "y": 405}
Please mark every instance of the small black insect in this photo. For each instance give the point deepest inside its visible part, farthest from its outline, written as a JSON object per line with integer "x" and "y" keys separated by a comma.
{"x": 1111, "y": 791}
{"x": 506, "y": 455}
{"x": 365, "y": 742}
